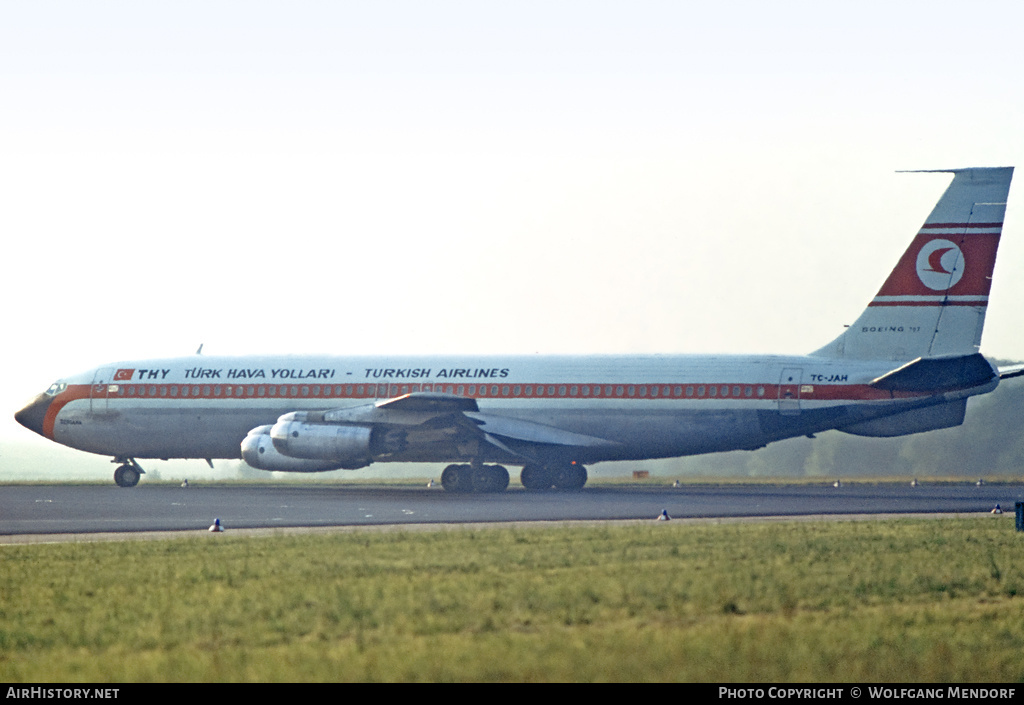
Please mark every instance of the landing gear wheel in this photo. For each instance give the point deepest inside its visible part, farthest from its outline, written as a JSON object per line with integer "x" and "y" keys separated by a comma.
{"x": 457, "y": 478}
{"x": 570, "y": 477}
{"x": 501, "y": 478}
{"x": 490, "y": 478}
{"x": 535, "y": 477}
{"x": 126, "y": 476}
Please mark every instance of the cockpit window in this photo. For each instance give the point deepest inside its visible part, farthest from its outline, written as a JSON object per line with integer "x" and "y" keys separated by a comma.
{"x": 56, "y": 388}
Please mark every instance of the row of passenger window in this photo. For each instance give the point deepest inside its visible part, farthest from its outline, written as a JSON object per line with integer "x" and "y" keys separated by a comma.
{"x": 472, "y": 390}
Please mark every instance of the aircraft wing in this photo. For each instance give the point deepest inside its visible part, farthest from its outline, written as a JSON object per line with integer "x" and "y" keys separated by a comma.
{"x": 434, "y": 402}
{"x": 430, "y": 417}
{"x": 407, "y": 410}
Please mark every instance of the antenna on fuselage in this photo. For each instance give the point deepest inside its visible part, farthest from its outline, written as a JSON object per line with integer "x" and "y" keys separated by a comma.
{"x": 200, "y": 350}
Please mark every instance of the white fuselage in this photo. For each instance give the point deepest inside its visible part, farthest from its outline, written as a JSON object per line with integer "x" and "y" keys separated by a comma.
{"x": 646, "y": 406}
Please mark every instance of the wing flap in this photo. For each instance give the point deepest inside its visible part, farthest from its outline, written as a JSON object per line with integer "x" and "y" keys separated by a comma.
{"x": 530, "y": 432}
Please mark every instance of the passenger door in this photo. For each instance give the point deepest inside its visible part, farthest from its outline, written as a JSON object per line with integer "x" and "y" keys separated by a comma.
{"x": 100, "y": 390}
{"x": 789, "y": 391}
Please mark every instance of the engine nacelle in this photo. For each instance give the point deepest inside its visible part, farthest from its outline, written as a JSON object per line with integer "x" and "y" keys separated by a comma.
{"x": 346, "y": 446}
{"x": 258, "y": 451}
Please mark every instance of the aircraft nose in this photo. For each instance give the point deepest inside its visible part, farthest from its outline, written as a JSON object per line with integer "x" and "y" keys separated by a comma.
{"x": 33, "y": 414}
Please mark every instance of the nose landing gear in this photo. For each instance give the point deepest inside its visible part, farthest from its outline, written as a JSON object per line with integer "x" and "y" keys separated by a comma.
{"x": 128, "y": 473}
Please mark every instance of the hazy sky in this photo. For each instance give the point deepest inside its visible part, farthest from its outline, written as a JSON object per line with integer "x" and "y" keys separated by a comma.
{"x": 360, "y": 177}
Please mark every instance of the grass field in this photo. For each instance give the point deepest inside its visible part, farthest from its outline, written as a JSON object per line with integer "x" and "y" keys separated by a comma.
{"x": 902, "y": 600}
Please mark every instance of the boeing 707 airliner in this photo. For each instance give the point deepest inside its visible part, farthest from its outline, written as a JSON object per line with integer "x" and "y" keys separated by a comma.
{"x": 907, "y": 365}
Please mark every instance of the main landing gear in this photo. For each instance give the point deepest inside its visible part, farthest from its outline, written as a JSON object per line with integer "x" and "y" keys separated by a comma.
{"x": 128, "y": 473}
{"x": 470, "y": 478}
{"x": 494, "y": 478}
{"x": 563, "y": 476}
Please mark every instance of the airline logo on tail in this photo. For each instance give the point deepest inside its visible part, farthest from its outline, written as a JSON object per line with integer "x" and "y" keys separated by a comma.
{"x": 940, "y": 265}
{"x": 937, "y": 271}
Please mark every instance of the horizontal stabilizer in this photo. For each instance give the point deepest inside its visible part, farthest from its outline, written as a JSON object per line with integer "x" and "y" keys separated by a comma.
{"x": 1011, "y": 371}
{"x": 936, "y": 374}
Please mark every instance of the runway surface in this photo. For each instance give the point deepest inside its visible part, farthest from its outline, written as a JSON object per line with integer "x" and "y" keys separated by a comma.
{"x": 85, "y": 509}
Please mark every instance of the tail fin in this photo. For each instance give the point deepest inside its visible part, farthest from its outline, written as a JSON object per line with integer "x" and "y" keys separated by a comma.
{"x": 934, "y": 301}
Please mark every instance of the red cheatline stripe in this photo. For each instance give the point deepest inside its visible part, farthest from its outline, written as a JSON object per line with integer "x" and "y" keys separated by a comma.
{"x": 929, "y": 226}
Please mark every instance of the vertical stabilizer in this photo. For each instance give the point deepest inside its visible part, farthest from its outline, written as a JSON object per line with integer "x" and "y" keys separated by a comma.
{"x": 934, "y": 301}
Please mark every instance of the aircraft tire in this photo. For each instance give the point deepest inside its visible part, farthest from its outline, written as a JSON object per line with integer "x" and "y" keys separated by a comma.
{"x": 501, "y": 478}
{"x": 570, "y": 477}
{"x": 490, "y": 478}
{"x": 535, "y": 477}
{"x": 126, "y": 476}
{"x": 457, "y": 478}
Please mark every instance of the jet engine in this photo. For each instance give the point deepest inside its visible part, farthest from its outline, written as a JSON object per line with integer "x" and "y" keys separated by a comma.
{"x": 258, "y": 451}
{"x": 346, "y": 446}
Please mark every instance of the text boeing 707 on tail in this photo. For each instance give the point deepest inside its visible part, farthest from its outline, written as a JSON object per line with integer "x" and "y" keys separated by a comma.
{"x": 907, "y": 365}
